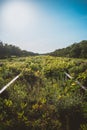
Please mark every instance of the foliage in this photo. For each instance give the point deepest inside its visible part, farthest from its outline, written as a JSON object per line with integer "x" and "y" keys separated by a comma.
{"x": 12, "y": 51}
{"x": 76, "y": 50}
{"x": 43, "y": 98}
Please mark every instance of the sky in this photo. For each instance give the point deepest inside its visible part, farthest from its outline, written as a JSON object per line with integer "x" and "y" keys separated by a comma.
{"x": 43, "y": 26}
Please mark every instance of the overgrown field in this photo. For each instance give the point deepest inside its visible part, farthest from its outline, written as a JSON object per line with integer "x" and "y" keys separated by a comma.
{"x": 43, "y": 98}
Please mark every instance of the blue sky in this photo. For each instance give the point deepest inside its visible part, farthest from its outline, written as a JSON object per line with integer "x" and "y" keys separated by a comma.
{"x": 43, "y": 25}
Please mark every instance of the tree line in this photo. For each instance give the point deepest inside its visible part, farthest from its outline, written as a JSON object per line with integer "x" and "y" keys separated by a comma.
{"x": 12, "y": 51}
{"x": 76, "y": 50}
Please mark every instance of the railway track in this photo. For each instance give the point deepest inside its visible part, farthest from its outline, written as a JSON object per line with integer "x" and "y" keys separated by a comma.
{"x": 14, "y": 79}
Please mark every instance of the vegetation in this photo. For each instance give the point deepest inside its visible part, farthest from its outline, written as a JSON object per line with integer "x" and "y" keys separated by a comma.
{"x": 11, "y": 51}
{"x": 77, "y": 50}
{"x": 43, "y": 98}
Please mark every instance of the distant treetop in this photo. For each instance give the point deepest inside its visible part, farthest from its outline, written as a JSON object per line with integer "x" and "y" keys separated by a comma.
{"x": 76, "y": 50}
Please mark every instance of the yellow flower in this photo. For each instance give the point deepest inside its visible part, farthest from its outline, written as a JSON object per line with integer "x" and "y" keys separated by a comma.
{"x": 59, "y": 97}
{"x": 43, "y": 101}
{"x": 35, "y": 106}
{"x": 73, "y": 84}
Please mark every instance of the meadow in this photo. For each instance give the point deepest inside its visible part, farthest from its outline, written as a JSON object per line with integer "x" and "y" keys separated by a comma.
{"x": 43, "y": 97}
